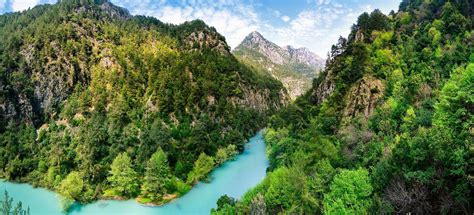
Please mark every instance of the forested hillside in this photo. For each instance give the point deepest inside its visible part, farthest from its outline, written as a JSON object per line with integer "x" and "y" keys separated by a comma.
{"x": 96, "y": 103}
{"x": 387, "y": 127}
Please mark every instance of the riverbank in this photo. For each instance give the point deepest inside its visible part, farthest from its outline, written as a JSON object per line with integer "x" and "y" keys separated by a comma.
{"x": 232, "y": 178}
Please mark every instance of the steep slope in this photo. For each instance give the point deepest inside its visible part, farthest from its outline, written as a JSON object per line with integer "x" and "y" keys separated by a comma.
{"x": 83, "y": 82}
{"x": 387, "y": 128}
{"x": 295, "y": 68}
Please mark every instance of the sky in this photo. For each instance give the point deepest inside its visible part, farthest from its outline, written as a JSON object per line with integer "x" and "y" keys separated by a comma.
{"x": 314, "y": 24}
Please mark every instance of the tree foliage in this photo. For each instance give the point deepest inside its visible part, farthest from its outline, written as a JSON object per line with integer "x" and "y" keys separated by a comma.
{"x": 386, "y": 128}
{"x": 83, "y": 81}
{"x": 350, "y": 193}
{"x": 203, "y": 165}
{"x": 123, "y": 178}
{"x": 157, "y": 176}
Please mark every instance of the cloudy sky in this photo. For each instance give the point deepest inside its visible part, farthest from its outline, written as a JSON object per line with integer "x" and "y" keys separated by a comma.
{"x": 315, "y": 24}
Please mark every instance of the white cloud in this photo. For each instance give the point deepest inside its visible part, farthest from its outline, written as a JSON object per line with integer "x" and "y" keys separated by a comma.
{"x": 367, "y": 8}
{"x": 2, "y": 4}
{"x": 317, "y": 27}
{"x": 285, "y": 18}
{"x": 20, "y": 5}
{"x": 231, "y": 18}
{"x": 48, "y": 1}
{"x": 314, "y": 28}
{"x": 276, "y": 13}
{"x": 323, "y": 2}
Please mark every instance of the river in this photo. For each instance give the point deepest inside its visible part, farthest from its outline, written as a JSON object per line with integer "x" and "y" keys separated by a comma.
{"x": 233, "y": 178}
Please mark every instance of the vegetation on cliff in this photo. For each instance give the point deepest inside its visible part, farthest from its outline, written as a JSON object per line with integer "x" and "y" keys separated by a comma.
{"x": 387, "y": 127}
{"x": 96, "y": 103}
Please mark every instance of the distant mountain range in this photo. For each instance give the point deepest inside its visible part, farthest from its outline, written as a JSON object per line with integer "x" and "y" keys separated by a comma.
{"x": 294, "y": 67}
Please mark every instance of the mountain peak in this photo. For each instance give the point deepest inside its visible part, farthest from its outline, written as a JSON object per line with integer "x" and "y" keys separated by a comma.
{"x": 255, "y": 34}
{"x": 254, "y": 38}
{"x": 294, "y": 67}
{"x": 280, "y": 55}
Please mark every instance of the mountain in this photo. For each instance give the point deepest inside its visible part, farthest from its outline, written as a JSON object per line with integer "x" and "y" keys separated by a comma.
{"x": 387, "y": 127}
{"x": 295, "y": 68}
{"x": 88, "y": 91}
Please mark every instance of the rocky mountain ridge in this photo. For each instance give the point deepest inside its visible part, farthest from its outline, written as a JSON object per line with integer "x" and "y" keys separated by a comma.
{"x": 305, "y": 56}
{"x": 280, "y": 55}
{"x": 294, "y": 67}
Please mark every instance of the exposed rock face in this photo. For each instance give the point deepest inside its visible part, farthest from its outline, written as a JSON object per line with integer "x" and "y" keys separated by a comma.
{"x": 52, "y": 78}
{"x": 201, "y": 39}
{"x": 22, "y": 110}
{"x": 270, "y": 50}
{"x": 294, "y": 86}
{"x": 359, "y": 37}
{"x": 324, "y": 89}
{"x": 279, "y": 55}
{"x": 304, "y": 56}
{"x": 115, "y": 11}
{"x": 259, "y": 99}
{"x": 294, "y": 67}
{"x": 362, "y": 98}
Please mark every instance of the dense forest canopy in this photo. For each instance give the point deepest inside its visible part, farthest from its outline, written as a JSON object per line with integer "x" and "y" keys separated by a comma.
{"x": 89, "y": 92}
{"x": 387, "y": 128}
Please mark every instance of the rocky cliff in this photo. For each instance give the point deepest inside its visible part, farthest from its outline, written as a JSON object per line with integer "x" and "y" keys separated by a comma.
{"x": 362, "y": 98}
{"x": 83, "y": 83}
{"x": 294, "y": 67}
{"x": 49, "y": 68}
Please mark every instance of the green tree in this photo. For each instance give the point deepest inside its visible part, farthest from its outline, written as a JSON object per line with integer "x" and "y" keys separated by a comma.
{"x": 157, "y": 176}
{"x": 231, "y": 151}
{"x": 71, "y": 189}
{"x": 349, "y": 193}
{"x": 225, "y": 205}
{"x": 202, "y": 167}
{"x": 221, "y": 156}
{"x": 72, "y": 185}
{"x": 455, "y": 108}
{"x": 285, "y": 189}
{"x": 122, "y": 177}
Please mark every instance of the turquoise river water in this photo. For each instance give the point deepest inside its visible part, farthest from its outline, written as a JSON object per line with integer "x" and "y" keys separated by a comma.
{"x": 233, "y": 178}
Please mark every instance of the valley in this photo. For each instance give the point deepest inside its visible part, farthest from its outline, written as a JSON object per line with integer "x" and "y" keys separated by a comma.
{"x": 107, "y": 111}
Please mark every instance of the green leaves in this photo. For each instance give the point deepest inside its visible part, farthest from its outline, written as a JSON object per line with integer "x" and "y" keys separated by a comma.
{"x": 417, "y": 145}
{"x": 123, "y": 178}
{"x": 157, "y": 176}
{"x": 221, "y": 156}
{"x": 285, "y": 188}
{"x": 94, "y": 86}
{"x": 350, "y": 193}
{"x": 203, "y": 165}
{"x": 72, "y": 186}
{"x": 455, "y": 107}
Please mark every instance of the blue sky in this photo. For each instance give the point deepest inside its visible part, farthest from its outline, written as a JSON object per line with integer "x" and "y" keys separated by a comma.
{"x": 315, "y": 24}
